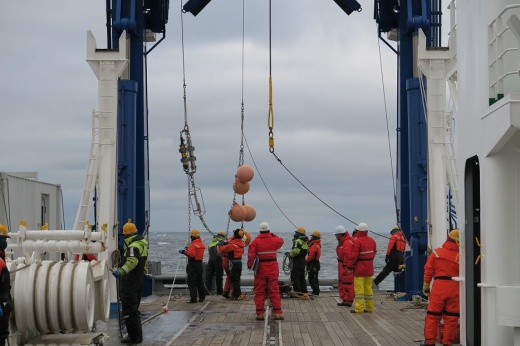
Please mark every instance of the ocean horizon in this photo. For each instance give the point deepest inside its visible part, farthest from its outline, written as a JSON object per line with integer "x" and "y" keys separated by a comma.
{"x": 164, "y": 247}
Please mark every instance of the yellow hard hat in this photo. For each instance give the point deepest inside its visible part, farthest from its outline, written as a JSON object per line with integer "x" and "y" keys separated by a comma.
{"x": 316, "y": 234}
{"x": 221, "y": 234}
{"x": 300, "y": 230}
{"x": 3, "y": 231}
{"x": 129, "y": 228}
{"x": 454, "y": 235}
{"x": 195, "y": 233}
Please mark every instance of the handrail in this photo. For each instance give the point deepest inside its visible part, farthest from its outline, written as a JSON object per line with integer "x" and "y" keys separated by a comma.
{"x": 501, "y": 47}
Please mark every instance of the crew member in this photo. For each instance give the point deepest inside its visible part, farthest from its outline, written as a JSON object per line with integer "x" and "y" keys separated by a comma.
{"x": 6, "y": 303}
{"x": 195, "y": 254}
{"x": 442, "y": 266}
{"x": 299, "y": 250}
{"x": 131, "y": 274}
{"x": 228, "y": 288}
{"x": 361, "y": 262}
{"x": 345, "y": 278}
{"x": 394, "y": 258}
{"x": 214, "y": 267}
{"x": 313, "y": 262}
{"x": 234, "y": 249}
{"x": 262, "y": 255}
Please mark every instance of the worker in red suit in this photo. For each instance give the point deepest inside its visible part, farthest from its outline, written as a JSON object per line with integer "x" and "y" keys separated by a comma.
{"x": 233, "y": 250}
{"x": 361, "y": 262}
{"x": 394, "y": 258}
{"x": 261, "y": 257}
{"x": 313, "y": 262}
{"x": 345, "y": 279}
{"x": 195, "y": 253}
{"x": 442, "y": 266}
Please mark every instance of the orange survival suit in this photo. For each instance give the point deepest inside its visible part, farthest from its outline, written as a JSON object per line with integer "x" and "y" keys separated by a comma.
{"x": 441, "y": 266}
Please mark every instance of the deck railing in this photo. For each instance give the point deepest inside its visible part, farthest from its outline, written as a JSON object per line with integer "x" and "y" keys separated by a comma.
{"x": 504, "y": 54}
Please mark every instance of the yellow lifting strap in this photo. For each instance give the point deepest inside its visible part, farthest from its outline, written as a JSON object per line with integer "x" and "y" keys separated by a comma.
{"x": 270, "y": 116}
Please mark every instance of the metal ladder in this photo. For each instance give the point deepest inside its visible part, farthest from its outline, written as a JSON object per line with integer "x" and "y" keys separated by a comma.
{"x": 82, "y": 215}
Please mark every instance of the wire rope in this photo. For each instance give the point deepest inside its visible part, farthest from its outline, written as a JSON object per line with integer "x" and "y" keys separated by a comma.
{"x": 388, "y": 135}
{"x": 187, "y": 151}
{"x": 265, "y": 185}
{"x": 242, "y": 114}
{"x": 270, "y": 124}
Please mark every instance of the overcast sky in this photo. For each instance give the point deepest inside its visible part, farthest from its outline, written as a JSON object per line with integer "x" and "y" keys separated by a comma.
{"x": 329, "y": 108}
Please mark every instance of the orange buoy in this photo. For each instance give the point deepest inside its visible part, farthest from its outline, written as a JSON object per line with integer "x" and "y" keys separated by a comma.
{"x": 240, "y": 187}
{"x": 248, "y": 237}
{"x": 245, "y": 173}
{"x": 237, "y": 212}
{"x": 250, "y": 212}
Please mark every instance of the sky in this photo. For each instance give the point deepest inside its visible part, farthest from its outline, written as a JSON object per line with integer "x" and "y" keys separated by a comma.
{"x": 334, "y": 84}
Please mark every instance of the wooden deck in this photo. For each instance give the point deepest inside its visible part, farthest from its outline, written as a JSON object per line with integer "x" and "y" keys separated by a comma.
{"x": 318, "y": 321}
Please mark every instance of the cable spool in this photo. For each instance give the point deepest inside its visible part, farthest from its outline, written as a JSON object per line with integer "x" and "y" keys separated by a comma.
{"x": 52, "y": 297}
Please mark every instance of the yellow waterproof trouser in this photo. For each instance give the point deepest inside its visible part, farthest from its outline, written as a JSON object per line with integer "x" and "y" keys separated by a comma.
{"x": 364, "y": 294}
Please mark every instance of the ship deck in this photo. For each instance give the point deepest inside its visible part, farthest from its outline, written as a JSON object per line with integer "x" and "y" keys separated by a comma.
{"x": 317, "y": 321}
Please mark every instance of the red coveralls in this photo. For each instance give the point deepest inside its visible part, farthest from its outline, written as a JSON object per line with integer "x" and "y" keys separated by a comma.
{"x": 442, "y": 265}
{"x": 345, "y": 280}
{"x": 361, "y": 261}
{"x": 265, "y": 246}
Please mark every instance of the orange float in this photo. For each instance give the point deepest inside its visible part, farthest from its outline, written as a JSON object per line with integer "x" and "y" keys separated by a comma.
{"x": 250, "y": 212}
{"x": 248, "y": 237}
{"x": 245, "y": 173}
{"x": 240, "y": 187}
{"x": 237, "y": 212}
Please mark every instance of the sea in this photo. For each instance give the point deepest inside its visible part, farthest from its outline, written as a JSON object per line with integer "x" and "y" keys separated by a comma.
{"x": 164, "y": 248}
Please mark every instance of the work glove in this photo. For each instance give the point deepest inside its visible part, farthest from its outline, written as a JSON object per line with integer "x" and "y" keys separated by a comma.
{"x": 182, "y": 251}
{"x": 221, "y": 242}
{"x": 426, "y": 289}
{"x": 116, "y": 273}
{"x": 387, "y": 258}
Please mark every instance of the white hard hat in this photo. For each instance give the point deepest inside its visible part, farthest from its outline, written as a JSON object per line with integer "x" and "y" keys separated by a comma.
{"x": 362, "y": 227}
{"x": 339, "y": 230}
{"x": 264, "y": 227}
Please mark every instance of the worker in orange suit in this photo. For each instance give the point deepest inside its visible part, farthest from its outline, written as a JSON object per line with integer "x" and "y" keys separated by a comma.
{"x": 233, "y": 250}
{"x": 313, "y": 262}
{"x": 195, "y": 253}
{"x": 261, "y": 257}
{"x": 361, "y": 262}
{"x": 345, "y": 279}
{"x": 441, "y": 267}
{"x": 394, "y": 258}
